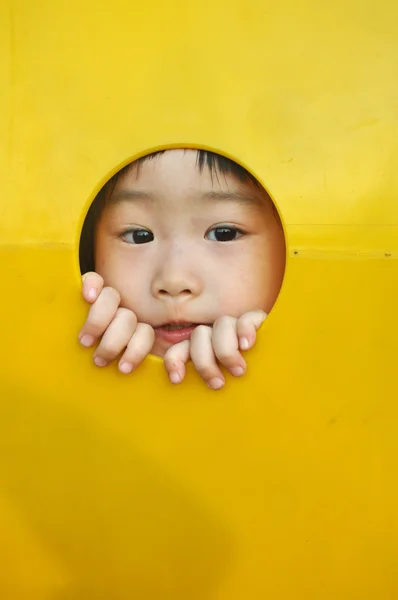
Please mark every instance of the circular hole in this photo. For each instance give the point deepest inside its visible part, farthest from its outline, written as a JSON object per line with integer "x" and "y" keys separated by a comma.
{"x": 186, "y": 236}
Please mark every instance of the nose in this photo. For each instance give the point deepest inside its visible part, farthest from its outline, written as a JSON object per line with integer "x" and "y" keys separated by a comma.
{"x": 177, "y": 277}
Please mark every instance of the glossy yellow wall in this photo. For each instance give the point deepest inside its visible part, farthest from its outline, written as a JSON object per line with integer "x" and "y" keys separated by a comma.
{"x": 283, "y": 485}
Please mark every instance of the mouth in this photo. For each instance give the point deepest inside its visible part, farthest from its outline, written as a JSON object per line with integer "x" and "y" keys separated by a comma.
{"x": 176, "y": 332}
{"x": 176, "y": 326}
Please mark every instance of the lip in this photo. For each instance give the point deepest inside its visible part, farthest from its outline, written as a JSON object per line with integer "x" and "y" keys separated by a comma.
{"x": 174, "y": 336}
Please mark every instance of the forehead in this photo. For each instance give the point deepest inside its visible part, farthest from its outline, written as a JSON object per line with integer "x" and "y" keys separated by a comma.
{"x": 177, "y": 171}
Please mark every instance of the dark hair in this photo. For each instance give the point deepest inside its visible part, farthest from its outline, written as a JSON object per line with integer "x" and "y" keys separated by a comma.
{"x": 216, "y": 164}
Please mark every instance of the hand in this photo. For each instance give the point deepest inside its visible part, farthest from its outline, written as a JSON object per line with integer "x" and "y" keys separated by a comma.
{"x": 117, "y": 326}
{"x": 222, "y": 342}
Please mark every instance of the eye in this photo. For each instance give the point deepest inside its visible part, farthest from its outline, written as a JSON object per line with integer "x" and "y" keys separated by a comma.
{"x": 137, "y": 236}
{"x": 223, "y": 234}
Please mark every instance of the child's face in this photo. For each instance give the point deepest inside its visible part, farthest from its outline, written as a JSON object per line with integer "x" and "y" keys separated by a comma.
{"x": 183, "y": 246}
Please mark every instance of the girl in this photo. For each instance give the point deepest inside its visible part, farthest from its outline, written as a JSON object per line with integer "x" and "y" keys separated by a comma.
{"x": 183, "y": 255}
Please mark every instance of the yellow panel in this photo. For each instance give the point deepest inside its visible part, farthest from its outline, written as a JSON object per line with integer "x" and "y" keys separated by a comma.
{"x": 283, "y": 485}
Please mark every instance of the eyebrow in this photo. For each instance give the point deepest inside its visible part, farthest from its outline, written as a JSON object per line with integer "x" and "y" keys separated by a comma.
{"x": 235, "y": 197}
{"x": 131, "y": 195}
{"x": 140, "y": 195}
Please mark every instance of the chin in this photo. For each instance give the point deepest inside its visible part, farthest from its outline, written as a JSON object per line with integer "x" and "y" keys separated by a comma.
{"x": 158, "y": 351}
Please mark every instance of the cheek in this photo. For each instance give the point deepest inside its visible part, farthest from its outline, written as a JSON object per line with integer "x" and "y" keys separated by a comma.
{"x": 117, "y": 268}
{"x": 238, "y": 282}
{"x": 271, "y": 270}
{"x": 105, "y": 262}
{"x": 258, "y": 275}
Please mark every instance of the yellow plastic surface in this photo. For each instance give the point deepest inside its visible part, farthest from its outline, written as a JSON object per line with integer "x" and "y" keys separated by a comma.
{"x": 284, "y": 485}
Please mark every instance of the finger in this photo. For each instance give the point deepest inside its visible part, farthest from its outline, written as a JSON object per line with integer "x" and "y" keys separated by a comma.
{"x": 100, "y": 316}
{"x": 138, "y": 347}
{"x": 226, "y": 345}
{"x": 175, "y": 360}
{"x": 92, "y": 286}
{"x": 247, "y": 326}
{"x": 116, "y": 337}
{"x": 202, "y": 355}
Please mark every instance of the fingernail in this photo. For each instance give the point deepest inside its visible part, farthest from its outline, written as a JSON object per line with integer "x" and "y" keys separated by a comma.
{"x": 100, "y": 362}
{"x": 244, "y": 343}
{"x": 87, "y": 340}
{"x": 216, "y": 383}
{"x": 126, "y": 367}
{"x": 237, "y": 371}
{"x": 92, "y": 294}
{"x": 175, "y": 377}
